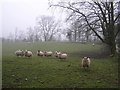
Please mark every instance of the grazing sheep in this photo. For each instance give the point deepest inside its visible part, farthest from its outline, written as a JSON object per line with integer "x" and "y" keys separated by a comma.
{"x": 93, "y": 44}
{"x": 62, "y": 56}
{"x": 85, "y": 62}
{"x": 48, "y": 53}
{"x": 28, "y": 53}
{"x": 40, "y": 53}
{"x": 56, "y": 54}
{"x": 19, "y": 53}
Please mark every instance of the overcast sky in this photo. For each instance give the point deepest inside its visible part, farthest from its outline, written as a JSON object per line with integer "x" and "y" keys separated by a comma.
{"x": 22, "y": 14}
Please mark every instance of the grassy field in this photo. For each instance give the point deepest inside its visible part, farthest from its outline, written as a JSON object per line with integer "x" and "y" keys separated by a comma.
{"x": 50, "y": 72}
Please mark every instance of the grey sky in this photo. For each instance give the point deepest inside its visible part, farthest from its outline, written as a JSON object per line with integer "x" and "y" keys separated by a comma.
{"x": 22, "y": 14}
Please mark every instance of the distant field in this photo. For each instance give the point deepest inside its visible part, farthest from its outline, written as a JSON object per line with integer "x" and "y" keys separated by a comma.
{"x": 68, "y": 47}
{"x": 71, "y": 48}
{"x": 49, "y": 72}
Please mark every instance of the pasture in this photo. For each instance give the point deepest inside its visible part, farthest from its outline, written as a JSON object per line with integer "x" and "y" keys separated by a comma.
{"x": 50, "y": 72}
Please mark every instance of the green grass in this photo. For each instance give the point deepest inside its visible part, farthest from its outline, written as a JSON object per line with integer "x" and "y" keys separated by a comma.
{"x": 49, "y": 72}
{"x": 68, "y": 47}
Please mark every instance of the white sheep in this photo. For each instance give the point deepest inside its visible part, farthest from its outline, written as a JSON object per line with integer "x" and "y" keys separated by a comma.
{"x": 56, "y": 54}
{"x": 85, "y": 62}
{"x": 93, "y": 44}
{"x": 40, "y": 53}
{"x": 62, "y": 56}
{"x": 19, "y": 53}
{"x": 48, "y": 53}
{"x": 28, "y": 53}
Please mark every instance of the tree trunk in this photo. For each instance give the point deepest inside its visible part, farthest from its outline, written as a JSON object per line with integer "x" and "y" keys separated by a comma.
{"x": 79, "y": 34}
{"x": 112, "y": 46}
{"x": 75, "y": 35}
{"x": 112, "y": 30}
{"x": 110, "y": 38}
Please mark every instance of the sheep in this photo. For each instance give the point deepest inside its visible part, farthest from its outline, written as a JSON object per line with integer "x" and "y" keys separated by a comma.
{"x": 62, "y": 55}
{"x": 48, "y": 53}
{"x": 85, "y": 62}
{"x": 93, "y": 44}
{"x": 28, "y": 53}
{"x": 40, "y": 53}
{"x": 19, "y": 53}
{"x": 56, "y": 54}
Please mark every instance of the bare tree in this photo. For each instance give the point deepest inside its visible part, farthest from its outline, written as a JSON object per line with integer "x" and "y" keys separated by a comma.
{"x": 99, "y": 17}
{"x": 69, "y": 35}
{"x": 16, "y": 34}
{"x": 10, "y": 37}
{"x": 78, "y": 31}
{"x": 48, "y": 27}
{"x": 37, "y": 35}
{"x": 21, "y": 36}
{"x": 118, "y": 36}
{"x": 30, "y": 34}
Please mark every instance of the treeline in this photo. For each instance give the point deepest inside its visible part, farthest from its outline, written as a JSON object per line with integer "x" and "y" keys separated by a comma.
{"x": 48, "y": 29}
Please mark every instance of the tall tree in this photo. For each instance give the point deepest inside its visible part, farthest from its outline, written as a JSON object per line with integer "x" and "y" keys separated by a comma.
{"x": 118, "y": 36}
{"x": 37, "y": 35}
{"x": 99, "y": 17}
{"x": 69, "y": 35}
{"x": 30, "y": 34}
{"x": 48, "y": 27}
{"x": 21, "y": 36}
{"x": 10, "y": 37}
{"x": 16, "y": 34}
